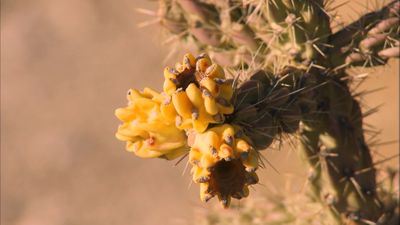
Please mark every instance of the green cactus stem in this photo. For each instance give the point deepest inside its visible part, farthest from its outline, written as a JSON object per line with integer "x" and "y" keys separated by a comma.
{"x": 342, "y": 173}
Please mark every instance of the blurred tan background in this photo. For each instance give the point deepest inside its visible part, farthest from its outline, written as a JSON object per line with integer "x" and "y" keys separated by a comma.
{"x": 65, "y": 66}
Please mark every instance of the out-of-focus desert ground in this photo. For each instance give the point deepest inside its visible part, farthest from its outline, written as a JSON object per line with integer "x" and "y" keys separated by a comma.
{"x": 65, "y": 67}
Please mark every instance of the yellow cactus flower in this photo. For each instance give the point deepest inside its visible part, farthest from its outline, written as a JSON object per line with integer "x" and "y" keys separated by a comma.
{"x": 146, "y": 131}
{"x": 224, "y": 164}
{"x": 198, "y": 91}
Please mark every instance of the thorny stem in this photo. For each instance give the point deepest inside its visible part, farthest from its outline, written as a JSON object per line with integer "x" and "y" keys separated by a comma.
{"x": 370, "y": 40}
{"x": 342, "y": 171}
{"x": 342, "y": 174}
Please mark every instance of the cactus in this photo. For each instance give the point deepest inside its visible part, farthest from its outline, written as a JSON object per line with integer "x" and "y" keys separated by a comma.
{"x": 261, "y": 32}
{"x": 272, "y": 34}
{"x": 293, "y": 81}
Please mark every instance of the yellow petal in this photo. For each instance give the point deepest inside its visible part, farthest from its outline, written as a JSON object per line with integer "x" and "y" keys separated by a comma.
{"x": 210, "y": 85}
{"x": 228, "y": 135}
{"x": 210, "y": 105}
{"x": 182, "y": 104}
{"x": 141, "y": 151}
{"x": 205, "y": 196}
{"x": 207, "y": 161}
{"x": 125, "y": 114}
{"x": 170, "y": 73}
{"x": 122, "y": 137}
{"x": 194, "y": 156}
{"x": 194, "y": 94}
{"x": 200, "y": 125}
{"x": 225, "y": 152}
{"x": 182, "y": 123}
{"x": 226, "y": 91}
{"x": 133, "y": 94}
{"x": 168, "y": 111}
{"x": 189, "y": 61}
{"x": 200, "y": 175}
{"x": 215, "y": 71}
{"x": 169, "y": 87}
{"x": 154, "y": 95}
{"x": 251, "y": 163}
{"x": 128, "y": 130}
{"x": 203, "y": 63}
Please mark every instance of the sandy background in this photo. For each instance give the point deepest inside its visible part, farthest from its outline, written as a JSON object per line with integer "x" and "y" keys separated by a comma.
{"x": 65, "y": 67}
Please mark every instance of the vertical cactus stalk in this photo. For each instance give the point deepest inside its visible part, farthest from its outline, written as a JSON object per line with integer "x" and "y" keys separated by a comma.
{"x": 343, "y": 173}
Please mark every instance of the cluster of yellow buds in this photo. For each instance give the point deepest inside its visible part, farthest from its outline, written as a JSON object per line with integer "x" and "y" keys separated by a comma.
{"x": 197, "y": 93}
{"x": 224, "y": 164}
{"x": 146, "y": 131}
{"x": 195, "y": 101}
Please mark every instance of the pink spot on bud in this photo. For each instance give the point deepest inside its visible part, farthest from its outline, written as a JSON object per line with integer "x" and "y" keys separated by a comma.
{"x": 150, "y": 141}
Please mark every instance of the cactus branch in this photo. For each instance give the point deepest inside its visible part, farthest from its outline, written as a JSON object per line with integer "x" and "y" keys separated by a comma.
{"x": 342, "y": 171}
{"x": 369, "y": 41}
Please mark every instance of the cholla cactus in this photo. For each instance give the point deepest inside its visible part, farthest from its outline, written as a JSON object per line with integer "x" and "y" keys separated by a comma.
{"x": 270, "y": 32}
{"x": 273, "y": 34}
{"x": 294, "y": 81}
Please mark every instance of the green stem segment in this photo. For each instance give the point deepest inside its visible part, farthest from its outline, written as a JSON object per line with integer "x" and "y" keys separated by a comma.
{"x": 333, "y": 145}
{"x": 342, "y": 174}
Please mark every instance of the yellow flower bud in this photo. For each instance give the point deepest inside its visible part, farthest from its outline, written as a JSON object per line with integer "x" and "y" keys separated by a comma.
{"x": 199, "y": 92}
{"x": 148, "y": 126}
{"x": 223, "y": 164}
